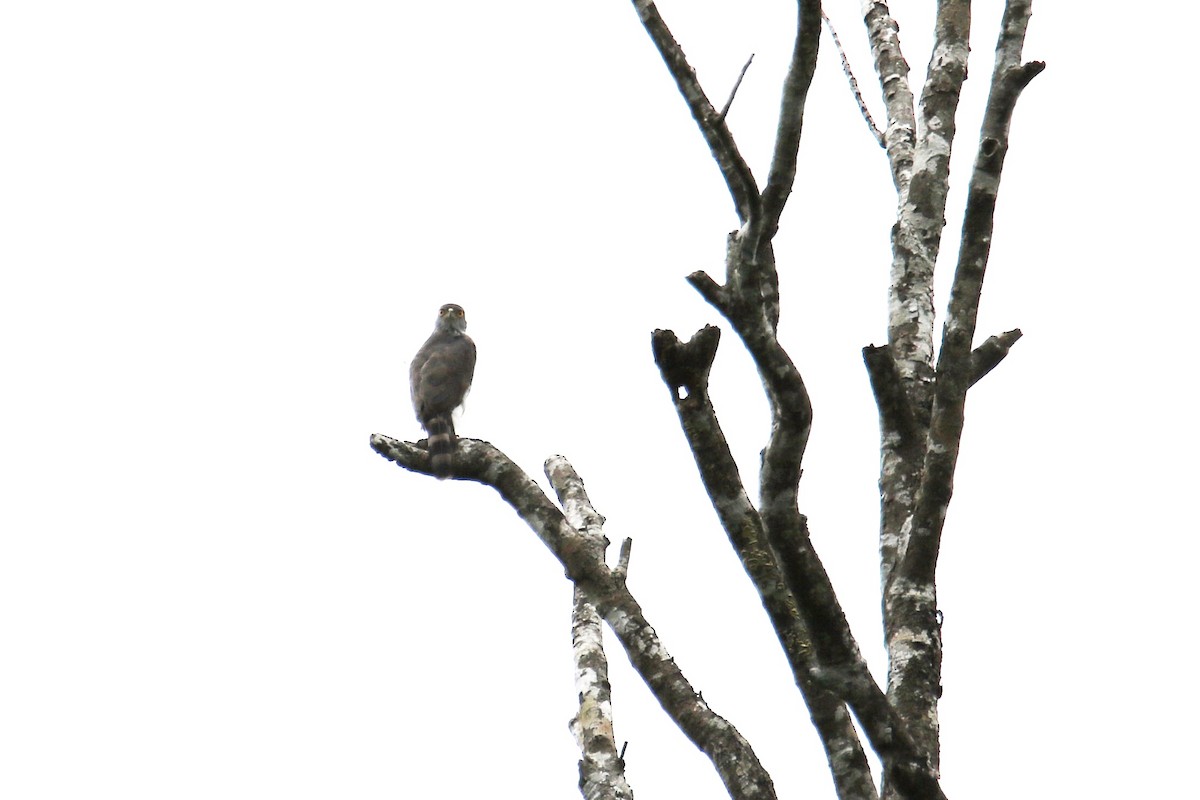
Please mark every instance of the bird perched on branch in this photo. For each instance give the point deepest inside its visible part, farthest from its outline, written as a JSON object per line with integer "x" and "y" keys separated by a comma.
{"x": 441, "y": 376}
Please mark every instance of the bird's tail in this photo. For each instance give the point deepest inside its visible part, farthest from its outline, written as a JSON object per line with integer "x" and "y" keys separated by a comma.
{"x": 442, "y": 443}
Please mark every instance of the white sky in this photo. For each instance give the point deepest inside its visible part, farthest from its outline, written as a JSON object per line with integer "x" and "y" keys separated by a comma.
{"x": 224, "y": 229}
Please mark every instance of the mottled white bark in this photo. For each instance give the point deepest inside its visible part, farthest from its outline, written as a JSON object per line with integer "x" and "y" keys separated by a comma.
{"x": 921, "y": 408}
{"x": 900, "y": 135}
{"x": 601, "y": 770}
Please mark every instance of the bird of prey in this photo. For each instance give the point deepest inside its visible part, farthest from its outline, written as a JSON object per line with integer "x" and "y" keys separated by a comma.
{"x": 440, "y": 376}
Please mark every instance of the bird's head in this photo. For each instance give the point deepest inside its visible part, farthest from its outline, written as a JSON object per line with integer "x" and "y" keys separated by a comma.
{"x": 452, "y": 317}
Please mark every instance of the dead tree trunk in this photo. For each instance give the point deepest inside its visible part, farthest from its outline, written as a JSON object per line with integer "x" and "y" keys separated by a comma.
{"x": 920, "y": 401}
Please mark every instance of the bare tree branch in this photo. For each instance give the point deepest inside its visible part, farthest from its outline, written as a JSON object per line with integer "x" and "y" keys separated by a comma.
{"x": 791, "y": 121}
{"x": 749, "y": 301}
{"x": 684, "y": 369}
{"x": 901, "y": 136}
{"x": 988, "y": 355}
{"x": 738, "y": 177}
{"x": 601, "y": 771}
{"x": 912, "y": 620}
{"x": 1009, "y": 78}
{"x": 858, "y": 98}
{"x": 920, "y": 162}
{"x": 944, "y": 77}
{"x": 906, "y": 764}
{"x": 916, "y": 238}
{"x": 902, "y": 377}
{"x": 791, "y": 408}
{"x": 738, "y": 767}
{"x": 751, "y": 276}
{"x": 917, "y": 235}
{"x": 736, "y": 85}
{"x": 910, "y": 319}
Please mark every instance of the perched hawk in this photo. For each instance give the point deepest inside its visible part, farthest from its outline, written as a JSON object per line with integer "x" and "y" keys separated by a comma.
{"x": 441, "y": 375}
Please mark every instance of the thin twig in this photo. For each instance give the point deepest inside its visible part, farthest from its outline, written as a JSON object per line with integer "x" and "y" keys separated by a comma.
{"x": 738, "y": 178}
{"x": 862, "y": 104}
{"x": 733, "y": 92}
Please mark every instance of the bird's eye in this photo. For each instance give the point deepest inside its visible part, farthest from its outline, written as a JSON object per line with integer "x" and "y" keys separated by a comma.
{"x": 459, "y": 312}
